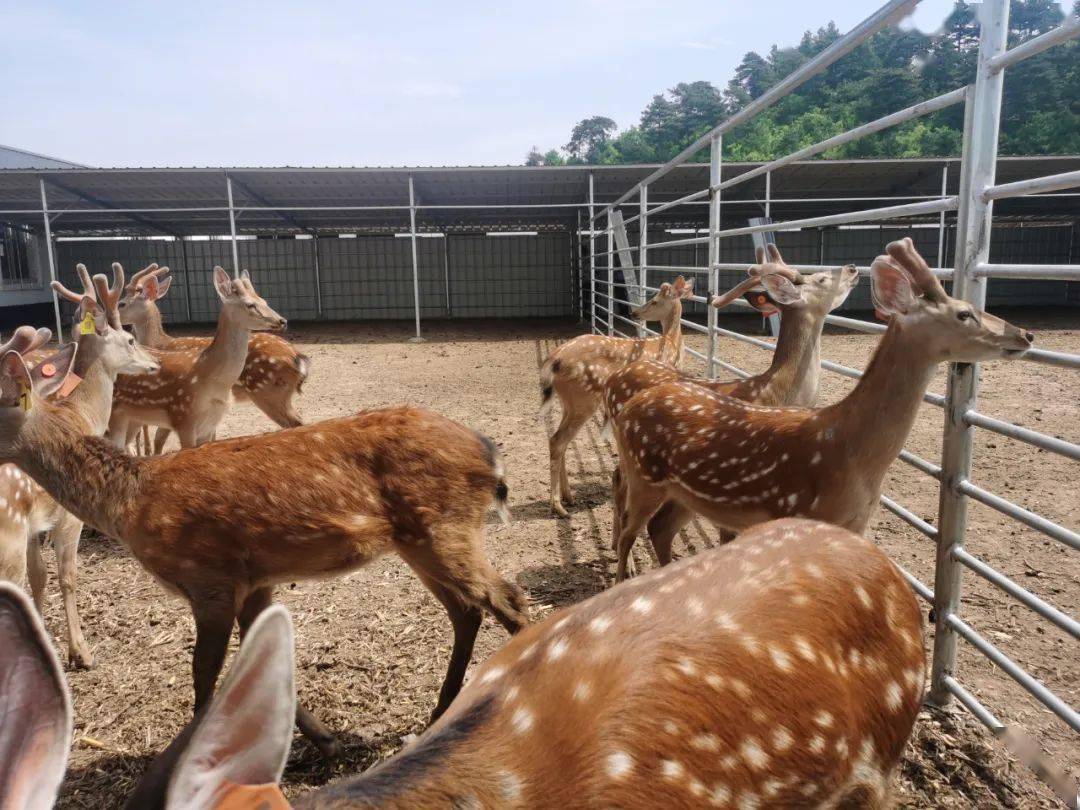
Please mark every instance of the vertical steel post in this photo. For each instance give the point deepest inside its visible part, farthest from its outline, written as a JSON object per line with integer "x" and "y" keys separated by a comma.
{"x": 610, "y": 273}
{"x": 941, "y": 217}
{"x": 768, "y": 194}
{"x": 979, "y": 158}
{"x": 415, "y": 260}
{"x": 232, "y": 227}
{"x": 580, "y": 292}
{"x": 187, "y": 278}
{"x": 592, "y": 260}
{"x": 715, "y": 147}
{"x": 52, "y": 261}
{"x": 643, "y": 250}
{"x": 319, "y": 281}
{"x": 446, "y": 271}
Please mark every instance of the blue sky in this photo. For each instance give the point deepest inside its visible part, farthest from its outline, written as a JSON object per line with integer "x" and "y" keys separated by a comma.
{"x": 324, "y": 83}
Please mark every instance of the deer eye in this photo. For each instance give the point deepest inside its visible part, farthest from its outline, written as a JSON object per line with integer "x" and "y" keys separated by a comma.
{"x": 965, "y": 314}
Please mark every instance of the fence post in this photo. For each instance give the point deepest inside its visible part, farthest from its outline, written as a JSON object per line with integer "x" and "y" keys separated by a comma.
{"x": 643, "y": 251}
{"x": 713, "y": 276}
{"x": 232, "y": 228}
{"x": 610, "y": 273}
{"x": 981, "y": 124}
{"x": 415, "y": 262}
{"x": 52, "y": 261}
{"x": 592, "y": 261}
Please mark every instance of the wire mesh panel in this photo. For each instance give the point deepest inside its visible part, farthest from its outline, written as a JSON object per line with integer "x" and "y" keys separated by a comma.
{"x": 509, "y": 276}
{"x": 371, "y": 277}
{"x": 283, "y": 272}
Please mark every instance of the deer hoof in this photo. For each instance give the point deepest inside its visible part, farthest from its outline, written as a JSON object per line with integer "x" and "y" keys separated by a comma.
{"x": 80, "y": 659}
{"x": 328, "y": 746}
{"x": 559, "y": 509}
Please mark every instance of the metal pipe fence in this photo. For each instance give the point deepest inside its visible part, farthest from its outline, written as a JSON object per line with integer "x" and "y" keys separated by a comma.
{"x": 982, "y": 100}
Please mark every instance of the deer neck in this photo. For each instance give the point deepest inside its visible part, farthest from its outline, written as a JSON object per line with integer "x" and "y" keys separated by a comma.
{"x": 92, "y": 398}
{"x": 792, "y": 377}
{"x": 87, "y": 475}
{"x": 224, "y": 358}
{"x": 671, "y": 341}
{"x": 873, "y": 421}
{"x": 149, "y": 330}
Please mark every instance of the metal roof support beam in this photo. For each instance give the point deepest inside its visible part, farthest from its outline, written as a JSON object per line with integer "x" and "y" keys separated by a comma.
{"x": 269, "y": 206}
{"x": 52, "y": 260}
{"x": 232, "y": 227}
{"x": 148, "y": 223}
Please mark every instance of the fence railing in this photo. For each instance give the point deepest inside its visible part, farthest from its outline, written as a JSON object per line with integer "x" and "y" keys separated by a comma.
{"x": 982, "y": 101}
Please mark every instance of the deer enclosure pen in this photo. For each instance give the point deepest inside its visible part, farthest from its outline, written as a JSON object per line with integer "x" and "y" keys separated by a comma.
{"x": 969, "y": 270}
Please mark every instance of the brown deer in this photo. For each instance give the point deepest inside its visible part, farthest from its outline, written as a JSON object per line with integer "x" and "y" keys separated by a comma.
{"x": 739, "y": 464}
{"x": 274, "y": 371}
{"x": 576, "y": 371}
{"x": 26, "y": 510}
{"x": 791, "y": 378}
{"x": 191, "y": 394}
{"x": 223, "y": 523}
{"x": 783, "y": 670}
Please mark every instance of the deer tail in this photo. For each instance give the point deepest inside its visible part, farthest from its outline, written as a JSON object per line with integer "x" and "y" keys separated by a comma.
{"x": 547, "y": 386}
{"x": 498, "y": 468}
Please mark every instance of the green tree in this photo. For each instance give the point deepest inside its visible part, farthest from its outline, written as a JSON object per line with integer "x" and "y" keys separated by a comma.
{"x": 589, "y": 137}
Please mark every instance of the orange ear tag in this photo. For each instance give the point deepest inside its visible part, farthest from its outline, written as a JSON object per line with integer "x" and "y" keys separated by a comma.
{"x": 71, "y": 382}
{"x": 48, "y": 370}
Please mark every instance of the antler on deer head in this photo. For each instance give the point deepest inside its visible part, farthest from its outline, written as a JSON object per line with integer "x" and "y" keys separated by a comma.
{"x": 904, "y": 252}
{"x": 152, "y": 270}
{"x": 772, "y": 272}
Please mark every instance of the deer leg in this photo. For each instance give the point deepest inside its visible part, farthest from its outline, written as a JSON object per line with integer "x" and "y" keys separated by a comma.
{"x": 214, "y": 616}
{"x": 187, "y": 437}
{"x": 641, "y": 501}
{"x": 161, "y": 435}
{"x": 573, "y": 419}
{"x": 618, "y": 503}
{"x": 117, "y": 432}
{"x": 66, "y": 542}
{"x": 277, "y": 404}
{"x": 320, "y": 736}
{"x": 36, "y": 571}
{"x": 664, "y": 525}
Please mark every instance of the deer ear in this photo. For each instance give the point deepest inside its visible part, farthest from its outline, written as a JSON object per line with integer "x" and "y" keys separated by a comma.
{"x": 245, "y": 275}
{"x": 781, "y": 289}
{"x": 684, "y": 288}
{"x": 666, "y": 290}
{"x": 35, "y": 710}
{"x": 245, "y": 734}
{"x": 223, "y": 284}
{"x": 48, "y": 375}
{"x": 891, "y": 287}
{"x": 14, "y": 380}
{"x": 162, "y": 287}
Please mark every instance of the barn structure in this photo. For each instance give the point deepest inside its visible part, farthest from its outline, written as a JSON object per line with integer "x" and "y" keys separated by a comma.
{"x": 468, "y": 242}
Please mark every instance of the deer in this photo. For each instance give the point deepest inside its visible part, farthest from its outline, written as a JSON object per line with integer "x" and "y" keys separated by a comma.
{"x": 738, "y": 464}
{"x": 575, "y": 372}
{"x": 792, "y": 377}
{"x": 83, "y": 401}
{"x": 274, "y": 372}
{"x": 730, "y": 698}
{"x": 220, "y": 525}
{"x": 191, "y": 394}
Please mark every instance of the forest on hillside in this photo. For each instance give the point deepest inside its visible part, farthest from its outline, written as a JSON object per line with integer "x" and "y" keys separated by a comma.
{"x": 894, "y": 69}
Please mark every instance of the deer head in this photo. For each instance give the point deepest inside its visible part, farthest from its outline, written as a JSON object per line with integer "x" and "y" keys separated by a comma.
{"x": 666, "y": 302}
{"x": 145, "y": 287}
{"x": 909, "y": 295}
{"x": 242, "y": 302}
{"x": 23, "y": 388}
{"x": 774, "y": 286}
{"x": 97, "y": 325}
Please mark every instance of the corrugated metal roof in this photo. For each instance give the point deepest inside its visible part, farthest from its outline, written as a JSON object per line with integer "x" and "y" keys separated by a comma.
{"x": 86, "y": 198}
{"x": 11, "y": 157}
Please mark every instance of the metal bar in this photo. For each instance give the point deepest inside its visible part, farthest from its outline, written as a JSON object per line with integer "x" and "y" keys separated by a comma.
{"x": 1044, "y": 609}
{"x": 1064, "y": 32}
{"x": 693, "y": 240}
{"x": 1034, "y": 687}
{"x": 610, "y": 269}
{"x": 232, "y": 227}
{"x": 972, "y": 704}
{"x": 715, "y": 174}
{"x": 856, "y": 324}
{"x": 1033, "y": 185}
{"x": 916, "y": 585}
{"x": 318, "y": 275}
{"x": 52, "y": 261}
{"x": 920, "y": 463}
{"x": 592, "y": 255}
{"x": 1033, "y": 437}
{"x": 909, "y": 517}
{"x": 1025, "y": 516}
{"x": 941, "y": 216}
{"x": 674, "y": 268}
{"x": 446, "y": 272}
{"x": 768, "y": 194}
{"x": 943, "y": 273}
{"x": 864, "y": 215}
{"x": 1048, "y": 272}
{"x": 1049, "y": 358}
{"x": 643, "y": 249}
{"x": 884, "y": 16}
{"x": 900, "y": 116}
{"x": 415, "y": 259}
{"x": 982, "y": 121}
{"x": 187, "y": 279}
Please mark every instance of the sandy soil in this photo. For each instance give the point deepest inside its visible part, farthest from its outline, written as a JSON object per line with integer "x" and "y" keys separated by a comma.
{"x": 372, "y": 647}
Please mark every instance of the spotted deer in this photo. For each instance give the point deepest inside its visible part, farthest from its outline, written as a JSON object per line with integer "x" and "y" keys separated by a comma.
{"x": 575, "y": 373}
{"x": 791, "y": 378}
{"x": 82, "y": 402}
{"x": 192, "y": 393}
{"x": 223, "y": 523}
{"x": 738, "y": 464}
{"x": 274, "y": 371}
{"x": 783, "y": 670}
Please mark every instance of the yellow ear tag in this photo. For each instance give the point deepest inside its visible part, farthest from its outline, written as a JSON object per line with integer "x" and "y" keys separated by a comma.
{"x": 87, "y": 326}
{"x": 24, "y": 399}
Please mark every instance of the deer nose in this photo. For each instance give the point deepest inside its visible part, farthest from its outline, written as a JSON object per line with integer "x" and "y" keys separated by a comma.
{"x": 1029, "y": 337}
{"x": 282, "y": 323}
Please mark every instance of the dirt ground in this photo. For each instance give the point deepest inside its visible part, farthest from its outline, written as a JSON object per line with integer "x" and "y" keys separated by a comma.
{"x": 372, "y": 647}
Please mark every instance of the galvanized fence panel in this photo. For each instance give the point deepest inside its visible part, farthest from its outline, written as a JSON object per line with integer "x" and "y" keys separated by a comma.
{"x": 370, "y": 277}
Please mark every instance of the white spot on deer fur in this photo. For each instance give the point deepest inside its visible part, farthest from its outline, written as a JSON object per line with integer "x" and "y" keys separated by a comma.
{"x": 816, "y": 744}
{"x": 749, "y": 801}
{"x": 824, "y": 719}
{"x": 492, "y": 674}
{"x": 600, "y": 624}
{"x": 557, "y": 650}
{"x": 782, "y": 739}
{"x": 753, "y": 754}
{"x": 686, "y": 666}
{"x": 522, "y": 720}
{"x": 892, "y": 695}
{"x": 511, "y": 785}
{"x": 641, "y": 605}
{"x": 706, "y": 742}
{"x": 721, "y": 795}
{"x": 780, "y": 659}
{"x": 582, "y": 691}
{"x": 619, "y": 764}
{"x": 671, "y": 769}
